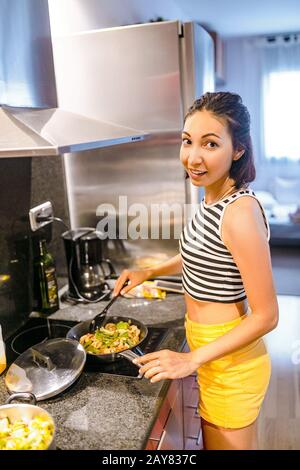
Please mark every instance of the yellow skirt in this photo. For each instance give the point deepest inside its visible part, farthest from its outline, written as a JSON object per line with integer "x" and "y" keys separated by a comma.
{"x": 231, "y": 388}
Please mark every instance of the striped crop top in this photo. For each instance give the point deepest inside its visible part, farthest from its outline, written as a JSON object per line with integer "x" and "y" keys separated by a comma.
{"x": 209, "y": 272}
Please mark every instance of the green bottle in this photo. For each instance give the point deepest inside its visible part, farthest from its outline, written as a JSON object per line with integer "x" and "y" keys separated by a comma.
{"x": 46, "y": 290}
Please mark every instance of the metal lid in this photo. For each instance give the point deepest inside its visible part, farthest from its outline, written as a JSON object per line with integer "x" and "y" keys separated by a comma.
{"x": 47, "y": 368}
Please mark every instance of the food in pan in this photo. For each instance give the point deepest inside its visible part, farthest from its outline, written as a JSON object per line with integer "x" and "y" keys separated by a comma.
{"x": 23, "y": 434}
{"x": 111, "y": 338}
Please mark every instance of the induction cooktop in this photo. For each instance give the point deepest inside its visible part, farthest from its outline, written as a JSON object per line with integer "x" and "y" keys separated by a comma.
{"x": 36, "y": 330}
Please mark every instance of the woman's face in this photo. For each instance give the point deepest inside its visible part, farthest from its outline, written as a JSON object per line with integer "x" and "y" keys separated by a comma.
{"x": 206, "y": 151}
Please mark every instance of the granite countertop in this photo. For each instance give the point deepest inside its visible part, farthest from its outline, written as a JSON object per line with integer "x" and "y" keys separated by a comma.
{"x": 102, "y": 411}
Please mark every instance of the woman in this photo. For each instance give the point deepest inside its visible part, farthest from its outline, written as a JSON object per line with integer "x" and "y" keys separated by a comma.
{"x": 225, "y": 263}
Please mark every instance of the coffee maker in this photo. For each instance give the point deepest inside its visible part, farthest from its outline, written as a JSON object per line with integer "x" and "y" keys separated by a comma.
{"x": 87, "y": 270}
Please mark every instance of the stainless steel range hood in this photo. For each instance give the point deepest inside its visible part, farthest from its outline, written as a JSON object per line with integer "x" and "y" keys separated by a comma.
{"x": 32, "y": 123}
{"x": 28, "y": 132}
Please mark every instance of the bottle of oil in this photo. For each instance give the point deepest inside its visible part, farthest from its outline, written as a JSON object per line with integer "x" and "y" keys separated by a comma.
{"x": 45, "y": 283}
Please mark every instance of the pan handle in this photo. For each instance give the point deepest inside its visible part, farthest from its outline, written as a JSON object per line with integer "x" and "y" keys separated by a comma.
{"x": 23, "y": 395}
{"x": 129, "y": 354}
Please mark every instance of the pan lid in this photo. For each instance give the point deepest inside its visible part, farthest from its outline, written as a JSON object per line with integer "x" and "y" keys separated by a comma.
{"x": 47, "y": 368}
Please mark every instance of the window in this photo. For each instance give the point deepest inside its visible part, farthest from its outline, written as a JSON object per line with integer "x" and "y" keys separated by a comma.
{"x": 282, "y": 115}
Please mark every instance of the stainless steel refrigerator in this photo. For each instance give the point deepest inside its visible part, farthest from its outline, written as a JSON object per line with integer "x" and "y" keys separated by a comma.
{"x": 144, "y": 77}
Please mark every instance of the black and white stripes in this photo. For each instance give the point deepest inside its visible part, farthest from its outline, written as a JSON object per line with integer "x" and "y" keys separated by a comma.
{"x": 209, "y": 272}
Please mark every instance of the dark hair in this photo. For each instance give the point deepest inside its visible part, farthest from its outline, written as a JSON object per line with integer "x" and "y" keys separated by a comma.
{"x": 230, "y": 107}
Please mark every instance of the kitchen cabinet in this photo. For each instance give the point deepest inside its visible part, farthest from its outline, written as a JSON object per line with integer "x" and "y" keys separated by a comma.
{"x": 178, "y": 425}
{"x": 192, "y": 422}
{"x": 168, "y": 430}
{"x": 191, "y": 419}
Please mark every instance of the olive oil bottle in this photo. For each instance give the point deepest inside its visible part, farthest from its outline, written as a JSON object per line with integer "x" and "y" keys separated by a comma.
{"x": 45, "y": 282}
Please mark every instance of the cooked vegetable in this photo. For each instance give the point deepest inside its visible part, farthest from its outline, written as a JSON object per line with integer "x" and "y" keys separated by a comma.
{"x": 22, "y": 434}
{"x": 113, "y": 337}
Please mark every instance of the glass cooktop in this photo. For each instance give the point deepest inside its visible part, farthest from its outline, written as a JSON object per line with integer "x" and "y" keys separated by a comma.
{"x": 37, "y": 330}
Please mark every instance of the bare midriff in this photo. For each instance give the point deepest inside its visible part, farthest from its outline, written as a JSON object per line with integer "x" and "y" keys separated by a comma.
{"x": 214, "y": 312}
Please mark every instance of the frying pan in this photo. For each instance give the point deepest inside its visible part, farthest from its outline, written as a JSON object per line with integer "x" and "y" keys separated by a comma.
{"x": 85, "y": 327}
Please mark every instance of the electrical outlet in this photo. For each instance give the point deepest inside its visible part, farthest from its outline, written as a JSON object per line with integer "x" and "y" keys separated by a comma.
{"x": 43, "y": 210}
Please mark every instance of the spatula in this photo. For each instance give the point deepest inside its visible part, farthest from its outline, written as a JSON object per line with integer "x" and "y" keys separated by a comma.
{"x": 99, "y": 319}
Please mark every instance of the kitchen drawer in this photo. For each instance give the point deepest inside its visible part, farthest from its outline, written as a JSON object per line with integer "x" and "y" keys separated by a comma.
{"x": 192, "y": 430}
{"x": 170, "y": 402}
{"x": 190, "y": 391}
{"x": 152, "y": 444}
{"x": 173, "y": 434}
{"x": 188, "y": 384}
{"x": 158, "y": 427}
{"x": 191, "y": 398}
{"x": 192, "y": 423}
{"x": 193, "y": 444}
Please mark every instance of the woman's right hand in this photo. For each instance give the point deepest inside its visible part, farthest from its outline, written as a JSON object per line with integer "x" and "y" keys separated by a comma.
{"x": 134, "y": 278}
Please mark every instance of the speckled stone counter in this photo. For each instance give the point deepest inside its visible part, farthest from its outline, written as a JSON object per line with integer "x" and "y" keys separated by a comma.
{"x": 102, "y": 411}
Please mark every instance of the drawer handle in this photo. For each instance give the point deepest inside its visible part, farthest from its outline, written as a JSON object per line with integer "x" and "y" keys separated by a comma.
{"x": 162, "y": 439}
{"x": 199, "y": 438}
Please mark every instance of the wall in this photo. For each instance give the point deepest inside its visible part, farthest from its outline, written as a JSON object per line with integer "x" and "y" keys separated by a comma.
{"x": 15, "y": 269}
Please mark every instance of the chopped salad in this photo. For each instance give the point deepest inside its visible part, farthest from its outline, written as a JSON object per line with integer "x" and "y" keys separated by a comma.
{"x": 23, "y": 434}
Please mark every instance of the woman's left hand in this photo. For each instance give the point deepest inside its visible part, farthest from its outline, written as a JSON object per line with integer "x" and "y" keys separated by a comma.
{"x": 166, "y": 364}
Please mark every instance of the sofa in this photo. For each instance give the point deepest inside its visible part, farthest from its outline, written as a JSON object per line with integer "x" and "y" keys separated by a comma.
{"x": 281, "y": 203}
